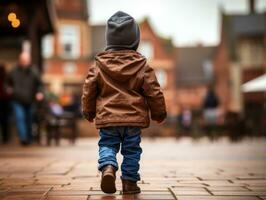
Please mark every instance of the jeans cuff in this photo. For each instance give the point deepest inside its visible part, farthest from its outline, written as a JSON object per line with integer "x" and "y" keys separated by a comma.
{"x": 102, "y": 165}
{"x": 128, "y": 178}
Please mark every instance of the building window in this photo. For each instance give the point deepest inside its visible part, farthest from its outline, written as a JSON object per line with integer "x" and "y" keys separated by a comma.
{"x": 69, "y": 68}
{"x": 162, "y": 77}
{"x": 146, "y": 48}
{"x": 208, "y": 70}
{"x": 69, "y": 41}
{"x": 251, "y": 53}
{"x": 48, "y": 46}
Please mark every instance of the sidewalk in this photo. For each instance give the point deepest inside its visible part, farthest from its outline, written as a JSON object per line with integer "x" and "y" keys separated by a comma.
{"x": 170, "y": 169}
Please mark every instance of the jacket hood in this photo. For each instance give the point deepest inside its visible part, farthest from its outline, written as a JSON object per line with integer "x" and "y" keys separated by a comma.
{"x": 120, "y": 65}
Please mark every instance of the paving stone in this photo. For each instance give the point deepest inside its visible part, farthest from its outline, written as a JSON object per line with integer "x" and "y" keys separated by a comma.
{"x": 184, "y": 188}
{"x": 190, "y": 192}
{"x": 77, "y": 187}
{"x": 227, "y": 188}
{"x": 37, "y": 187}
{"x": 67, "y": 198}
{"x": 252, "y": 177}
{"x": 154, "y": 196}
{"x": 190, "y": 185}
{"x": 22, "y": 197}
{"x": 253, "y": 182}
{"x": 53, "y": 181}
{"x": 239, "y": 193}
{"x": 68, "y": 192}
{"x": 257, "y": 188}
{"x": 111, "y": 197}
{"x": 216, "y": 178}
{"x": 218, "y": 183}
{"x": 154, "y": 187}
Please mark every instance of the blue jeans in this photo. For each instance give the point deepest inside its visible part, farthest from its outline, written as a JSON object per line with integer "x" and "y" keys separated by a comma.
{"x": 23, "y": 116}
{"x": 109, "y": 145}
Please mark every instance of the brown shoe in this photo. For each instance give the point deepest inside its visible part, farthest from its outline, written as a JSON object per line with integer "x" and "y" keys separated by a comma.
{"x": 108, "y": 180}
{"x": 130, "y": 187}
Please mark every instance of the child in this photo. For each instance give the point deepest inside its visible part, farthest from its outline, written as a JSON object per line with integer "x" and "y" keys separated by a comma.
{"x": 119, "y": 92}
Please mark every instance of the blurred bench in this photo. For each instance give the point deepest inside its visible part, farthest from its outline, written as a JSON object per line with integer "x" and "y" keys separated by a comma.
{"x": 58, "y": 125}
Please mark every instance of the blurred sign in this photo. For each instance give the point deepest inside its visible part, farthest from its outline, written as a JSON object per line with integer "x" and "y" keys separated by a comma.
{"x": 255, "y": 85}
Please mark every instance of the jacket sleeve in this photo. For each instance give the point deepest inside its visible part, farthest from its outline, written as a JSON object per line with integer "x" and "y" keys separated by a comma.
{"x": 89, "y": 95}
{"x": 10, "y": 83}
{"x": 38, "y": 80}
{"x": 154, "y": 95}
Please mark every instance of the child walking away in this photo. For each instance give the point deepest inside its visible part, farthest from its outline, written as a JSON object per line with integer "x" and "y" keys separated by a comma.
{"x": 120, "y": 92}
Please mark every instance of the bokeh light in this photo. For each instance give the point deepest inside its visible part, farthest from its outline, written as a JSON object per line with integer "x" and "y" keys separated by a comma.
{"x": 15, "y": 23}
{"x": 11, "y": 17}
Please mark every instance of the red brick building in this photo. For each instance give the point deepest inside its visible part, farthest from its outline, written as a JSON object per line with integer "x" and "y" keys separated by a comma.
{"x": 240, "y": 57}
{"x": 194, "y": 75}
{"x": 161, "y": 56}
{"x": 67, "y": 51}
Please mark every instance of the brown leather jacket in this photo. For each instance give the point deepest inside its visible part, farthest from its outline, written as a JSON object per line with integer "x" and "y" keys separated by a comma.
{"x": 120, "y": 90}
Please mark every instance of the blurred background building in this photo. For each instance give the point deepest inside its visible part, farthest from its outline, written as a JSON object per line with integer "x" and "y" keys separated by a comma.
{"x": 195, "y": 72}
{"x": 67, "y": 51}
{"x": 63, "y": 42}
{"x": 241, "y": 57}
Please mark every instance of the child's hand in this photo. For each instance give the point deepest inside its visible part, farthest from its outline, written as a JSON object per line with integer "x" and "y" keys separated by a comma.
{"x": 88, "y": 117}
{"x": 161, "y": 122}
{"x": 90, "y": 120}
{"x": 9, "y": 91}
{"x": 39, "y": 96}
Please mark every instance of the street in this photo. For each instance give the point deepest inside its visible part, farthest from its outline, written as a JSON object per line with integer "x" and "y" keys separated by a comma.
{"x": 170, "y": 169}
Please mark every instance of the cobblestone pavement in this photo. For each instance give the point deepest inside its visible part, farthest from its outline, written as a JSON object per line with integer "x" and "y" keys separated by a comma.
{"x": 170, "y": 169}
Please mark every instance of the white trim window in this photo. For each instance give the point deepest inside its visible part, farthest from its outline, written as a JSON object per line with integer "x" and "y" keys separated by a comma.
{"x": 69, "y": 38}
{"x": 48, "y": 46}
{"x": 208, "y": 70}
{"x": 161, "y": 76}
{"x": 69, "y": 68}
{"x": 146, "y": 48}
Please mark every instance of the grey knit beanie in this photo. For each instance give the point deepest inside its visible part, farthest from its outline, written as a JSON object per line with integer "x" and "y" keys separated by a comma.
{"x": 122, "y": 32}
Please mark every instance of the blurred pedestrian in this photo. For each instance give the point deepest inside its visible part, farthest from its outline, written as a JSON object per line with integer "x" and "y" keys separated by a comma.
{"x": 4, "y": 105}
{"x": 210, "y": 108}
{"x": 73, "y": 106}
{"x": 185, "y": 119}
{"x": 39, "y": 117}
{"x": 25, "y": 86}
{"x": 121, "y": 92}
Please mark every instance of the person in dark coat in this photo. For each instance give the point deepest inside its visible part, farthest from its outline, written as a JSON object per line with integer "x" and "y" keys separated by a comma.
{"x": 25, "y": 86}
{"x": 211, "y": 100}
{"x": 4, "y": 105}
{"x": 210, "y": 107}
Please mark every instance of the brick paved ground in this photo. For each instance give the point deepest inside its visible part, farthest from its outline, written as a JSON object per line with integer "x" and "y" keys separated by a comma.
{"x": 171, "y": 169}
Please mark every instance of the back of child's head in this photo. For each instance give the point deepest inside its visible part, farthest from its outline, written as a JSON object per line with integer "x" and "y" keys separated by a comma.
{"x": 122, "y": 32}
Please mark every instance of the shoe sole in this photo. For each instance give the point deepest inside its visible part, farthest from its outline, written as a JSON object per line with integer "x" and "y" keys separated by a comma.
{"x": 108, "y": 184}
{"x": 132, "y": 192}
